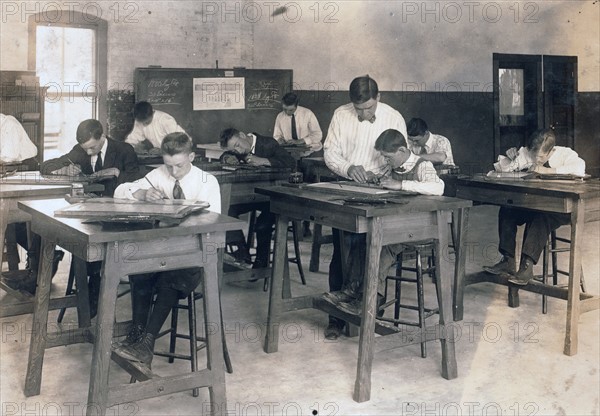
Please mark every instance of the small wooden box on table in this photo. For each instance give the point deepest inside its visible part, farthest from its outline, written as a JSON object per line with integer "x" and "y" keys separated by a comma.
{"x": 420, "y": 218}
{"x": 578, "y": 199}
{"x": 195, "y": 242}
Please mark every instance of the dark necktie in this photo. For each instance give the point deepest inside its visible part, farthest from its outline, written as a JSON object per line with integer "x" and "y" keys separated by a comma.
{"x": 98, "y": 165}
{"x": 294, "y": 132}
{"x": 546, "y": 165}
{"x": 371, "y": 120}
{"x": 423, "y": 151}
{"x": 177, "y": 191}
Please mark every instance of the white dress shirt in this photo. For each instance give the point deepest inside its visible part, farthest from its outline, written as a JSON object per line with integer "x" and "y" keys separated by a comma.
{"x": 103, "y": 155}
{"x": 161, "y": 125}
{"x": 564, "y": 159}
{"x": 15, "y": 144}
{"x": 436, "y": 144}
{"x": 352, "y": 142}
{"x": 307, "y": 128}
{"x": 196, "y": 185}
{"x": 427, "y": 181}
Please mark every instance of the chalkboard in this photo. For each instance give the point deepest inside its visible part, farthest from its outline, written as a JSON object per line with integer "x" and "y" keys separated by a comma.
{"x": 206, "y": 101}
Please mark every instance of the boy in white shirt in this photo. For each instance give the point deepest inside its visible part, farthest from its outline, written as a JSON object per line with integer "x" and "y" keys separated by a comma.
{"x": 150, "y": 127}
{"x": 176, "y": 179}
{"x": 408, "y": 172}
{"x": 541, "y": 156}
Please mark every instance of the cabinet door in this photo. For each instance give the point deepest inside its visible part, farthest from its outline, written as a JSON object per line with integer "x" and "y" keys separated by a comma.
{"x": 560, "y": 97}
{"x": 518, "y": 109}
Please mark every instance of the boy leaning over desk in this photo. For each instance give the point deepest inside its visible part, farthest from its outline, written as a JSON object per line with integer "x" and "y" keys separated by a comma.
{"x": 176, "y": 179}
{"x": 408, "y": 172}
{"x": 542, "y": 156}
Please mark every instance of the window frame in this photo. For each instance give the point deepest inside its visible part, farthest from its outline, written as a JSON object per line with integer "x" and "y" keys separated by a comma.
{"x": 75, "y": 19}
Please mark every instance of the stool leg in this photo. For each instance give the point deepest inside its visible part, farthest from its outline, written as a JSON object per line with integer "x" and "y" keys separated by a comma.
{"x": 68, "y": 292}
{"x": 421, "y": 300}
{"x": 554, "y": 258}
{"x": 398, "y": 286}
{"x": 173, "y": 332}
{"x": 297, "y": 250}
{"x": 226, "y": 356}
{"x": 251, "y": 226}
{"x": 192, "y": 330}
{"x": 545, "y": 259}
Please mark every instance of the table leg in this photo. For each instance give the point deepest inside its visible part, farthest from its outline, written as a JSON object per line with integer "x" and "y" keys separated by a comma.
{"x": 444, "y": 288}
{"x": 573, "y": 310}
{"x": 98, "y": 390}
{"x": 37, "y": 346}
{"x": 212, "y": 315}
{"x": 362, "y": 385}
{"x": 275, "y": 295}
{"x": 315, "y": 248}
{"x": 461, "y": 226}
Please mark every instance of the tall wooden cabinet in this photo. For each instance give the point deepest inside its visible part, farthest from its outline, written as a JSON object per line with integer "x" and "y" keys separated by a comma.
{"x": 533, "y": 92}
{"x": 26, "y": 104}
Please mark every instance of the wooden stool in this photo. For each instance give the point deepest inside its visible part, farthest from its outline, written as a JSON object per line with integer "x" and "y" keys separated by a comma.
{"x": 550, "y": 254}
{"x": 425, "y": 248}
{"x": 196, "y": 343}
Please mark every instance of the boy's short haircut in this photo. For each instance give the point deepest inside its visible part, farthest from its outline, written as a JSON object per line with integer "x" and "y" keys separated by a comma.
{"x": 543, "y": 139}
{"x": 176, "y": 143}
{"x": 89, "y": 129}
{"x": 362, "y": 89}
{"x": 416, "y": 127}
{"x": 390, "y": 141}
{"x": 290, "y": 99}
{"x": 142, "y": 111}
{"x": 226, "y": 135}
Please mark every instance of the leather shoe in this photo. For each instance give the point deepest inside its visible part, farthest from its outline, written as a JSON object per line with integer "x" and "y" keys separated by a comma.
{"x": 354, "y": 307}
{"x": 339, "y": 296}
{"x": 141, "y": 351}
{"x": 504, "y": 266}
{"x": 333, "y": 331}
{"x": 525, "y": 273}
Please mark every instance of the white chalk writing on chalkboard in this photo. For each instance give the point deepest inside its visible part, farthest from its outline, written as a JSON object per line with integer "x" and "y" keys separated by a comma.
{"x": 163, "y": 90}
{"x": 263, "y": 94}
{"x": 218, "y": 93}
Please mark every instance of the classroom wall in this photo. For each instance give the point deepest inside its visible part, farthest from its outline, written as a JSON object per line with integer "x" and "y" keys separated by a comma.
{"x": 413, "y": 49}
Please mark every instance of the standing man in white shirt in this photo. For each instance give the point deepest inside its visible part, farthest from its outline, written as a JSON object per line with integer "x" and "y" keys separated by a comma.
{"x": 150, "y": 127}
{"x": 349, "y": 151}
{"x": 432, "y": 147}
{"x": 297, "y": 124}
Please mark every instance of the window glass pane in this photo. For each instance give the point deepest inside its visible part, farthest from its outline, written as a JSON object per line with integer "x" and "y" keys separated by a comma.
{"x": 61, "y": 121}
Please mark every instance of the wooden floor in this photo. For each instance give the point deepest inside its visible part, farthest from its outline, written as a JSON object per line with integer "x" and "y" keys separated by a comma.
{"x": 510, "y": 361}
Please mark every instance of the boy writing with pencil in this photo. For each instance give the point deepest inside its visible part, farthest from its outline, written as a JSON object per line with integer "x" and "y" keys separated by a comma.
{"x": 407, "y": 172}
{"x": 176, "y": 179}
{"x": 541, "y": 156}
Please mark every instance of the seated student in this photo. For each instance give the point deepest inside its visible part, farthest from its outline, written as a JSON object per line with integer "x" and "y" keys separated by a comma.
{"x": 176, "y": 179}
{"x": 428, "y": 146}
{"x": 17, "y": 147}
{"x": 96, "y": 153}
{"x": 542, "y": 156}
{"x": 256, "y": 150}
{"x": 297, "y": 123}
{"x": 408, "y": 172}
{"x": 150, "y": 127}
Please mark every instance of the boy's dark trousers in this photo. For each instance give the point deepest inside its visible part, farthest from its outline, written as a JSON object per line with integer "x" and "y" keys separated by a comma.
{"x": 538, "y": 226}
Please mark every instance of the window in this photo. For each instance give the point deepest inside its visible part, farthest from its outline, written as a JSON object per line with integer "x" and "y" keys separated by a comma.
{"x": 70, "y": 60}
